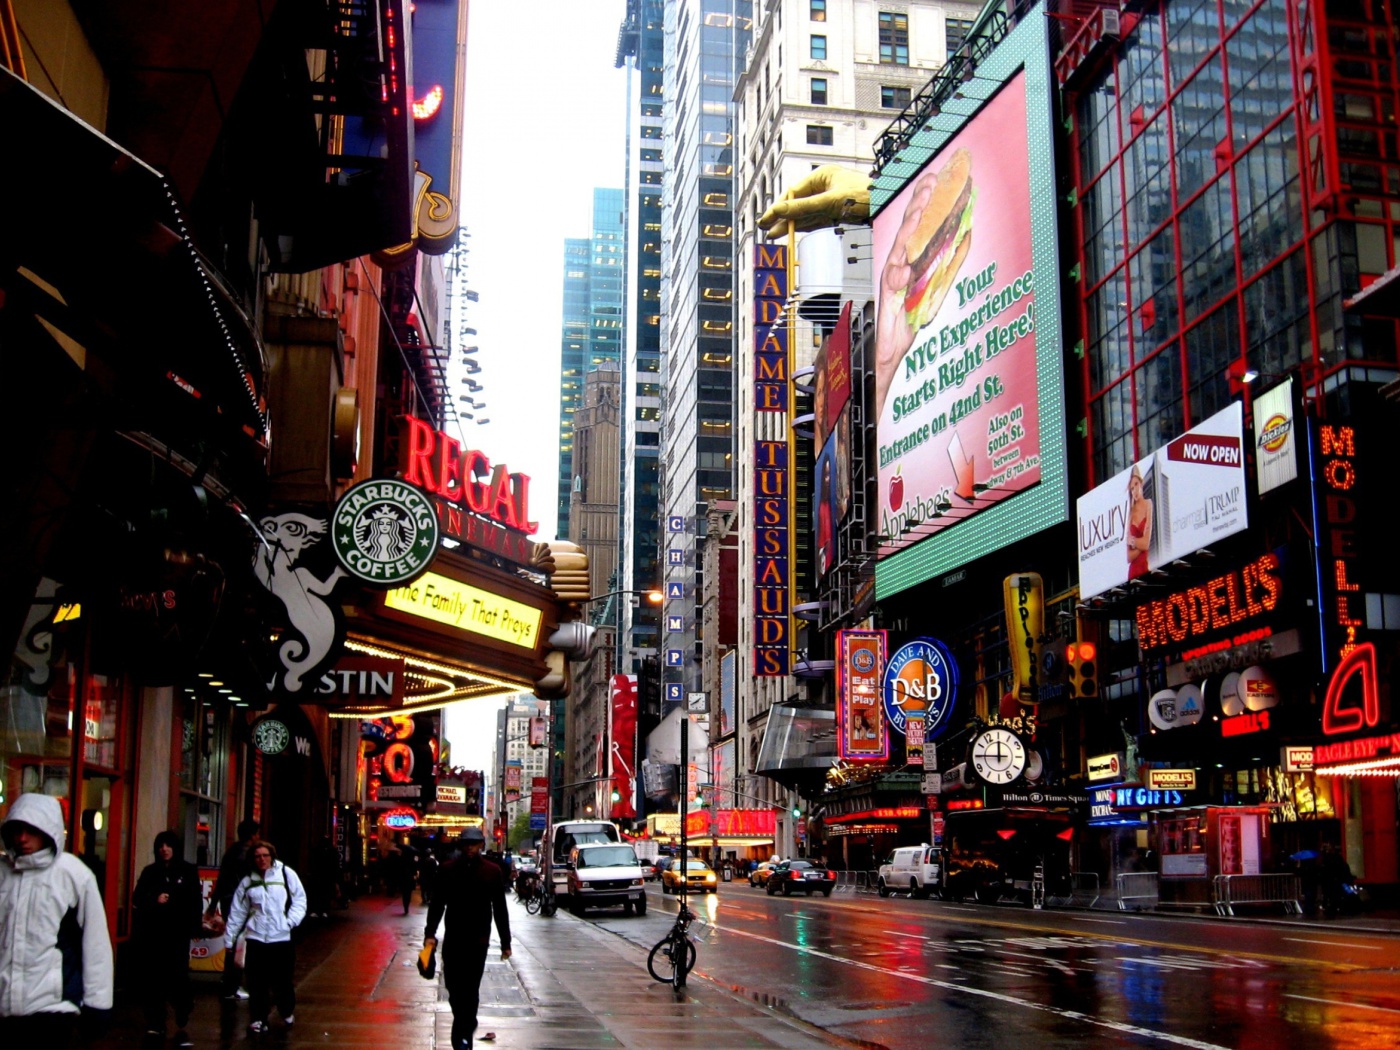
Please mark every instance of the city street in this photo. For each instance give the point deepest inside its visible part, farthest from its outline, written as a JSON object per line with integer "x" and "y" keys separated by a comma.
{"x": 892, "y": 973}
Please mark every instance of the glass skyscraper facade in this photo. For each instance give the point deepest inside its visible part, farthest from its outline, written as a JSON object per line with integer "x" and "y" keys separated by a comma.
{"x": 592, "y": 322}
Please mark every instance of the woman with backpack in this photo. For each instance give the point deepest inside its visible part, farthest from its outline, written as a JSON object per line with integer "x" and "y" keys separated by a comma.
{"x": 267, "y": 906}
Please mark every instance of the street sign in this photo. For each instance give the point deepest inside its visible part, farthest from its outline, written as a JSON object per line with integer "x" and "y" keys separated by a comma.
{"x": 537, "y": 821}
{"x": 933, "y": 783}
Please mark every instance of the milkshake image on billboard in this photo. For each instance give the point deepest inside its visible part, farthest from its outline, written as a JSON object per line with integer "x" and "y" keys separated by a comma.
{"x": 925, "y": 256}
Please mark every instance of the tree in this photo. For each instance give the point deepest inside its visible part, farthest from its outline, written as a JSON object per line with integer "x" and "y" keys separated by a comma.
{"x": 519, "y": 831}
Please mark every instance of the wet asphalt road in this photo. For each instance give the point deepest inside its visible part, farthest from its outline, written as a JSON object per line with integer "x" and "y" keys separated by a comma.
{"x": 903, "y": 973}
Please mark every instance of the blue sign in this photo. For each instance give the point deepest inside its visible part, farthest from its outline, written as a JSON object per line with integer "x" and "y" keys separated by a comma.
{"x": 675, "y": 523}
{"x": 675, "y": 657}
{"x": 675, "y": 590}
{"x": 675, "y": 623}
{"x": 675, "y": 692}
{"x": 921, "y": 681}
{"x": 536, "y": 821}
{"x": 675, "y": 556}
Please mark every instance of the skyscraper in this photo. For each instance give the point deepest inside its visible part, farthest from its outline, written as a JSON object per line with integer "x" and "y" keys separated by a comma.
{"x": 705, "y": 41}
{"x": 641, "y": 39}
{"x": 592, "y": 323}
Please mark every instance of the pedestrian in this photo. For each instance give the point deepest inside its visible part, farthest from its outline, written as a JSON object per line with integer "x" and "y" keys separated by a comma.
{"x": 166, "y": 913}
{"x": 268, "y": 905}
{"x": 470, "y": 890}
{"x": 428, "y": 872}
{"x": 408, "y": 873}
{"x": 1334, "y": 876}
{"x": 233, "y": 868}
{"x": 55, "y": 952}
{"x": 323, "y": 880}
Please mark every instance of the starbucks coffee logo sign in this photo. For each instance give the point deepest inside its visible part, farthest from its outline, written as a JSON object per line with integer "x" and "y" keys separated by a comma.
{"x": 270, "y": 736}
{"x": 385, "y": 532}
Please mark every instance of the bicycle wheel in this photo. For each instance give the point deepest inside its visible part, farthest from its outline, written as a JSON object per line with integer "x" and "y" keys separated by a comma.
{"x": 532, "y": 904}
{"x": 661, "y": 966}
{"x": 548, "y": 905}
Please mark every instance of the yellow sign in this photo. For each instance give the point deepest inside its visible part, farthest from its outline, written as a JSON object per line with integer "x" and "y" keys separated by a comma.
{"x": 1172, "y": 779}
{"x": 467, "y": 608}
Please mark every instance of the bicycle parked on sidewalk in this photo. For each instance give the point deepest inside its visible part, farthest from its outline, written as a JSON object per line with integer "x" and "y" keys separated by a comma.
{"x": 529, "y": 892}
{"x": 673, "y": 957}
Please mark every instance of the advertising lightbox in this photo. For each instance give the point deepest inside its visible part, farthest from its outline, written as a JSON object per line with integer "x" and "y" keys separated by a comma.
{"x": 1184, "y": 496}
{"x": 968, "y": 360}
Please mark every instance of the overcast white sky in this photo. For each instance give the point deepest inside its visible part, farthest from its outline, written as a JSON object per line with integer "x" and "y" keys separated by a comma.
{"x": 545, "y": 124}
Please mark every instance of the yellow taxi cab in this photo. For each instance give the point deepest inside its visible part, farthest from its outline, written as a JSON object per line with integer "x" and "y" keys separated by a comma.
{"x": 699, "y": 877}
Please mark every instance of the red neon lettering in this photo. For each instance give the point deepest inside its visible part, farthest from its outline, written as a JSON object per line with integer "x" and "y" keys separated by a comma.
{"x": 1361, "y": 660}
{"x": 418, "y": 463}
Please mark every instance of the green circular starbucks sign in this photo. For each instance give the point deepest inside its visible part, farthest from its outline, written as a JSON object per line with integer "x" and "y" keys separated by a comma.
{"x": 385, "y": 532}
{"x": 270, "y": 736}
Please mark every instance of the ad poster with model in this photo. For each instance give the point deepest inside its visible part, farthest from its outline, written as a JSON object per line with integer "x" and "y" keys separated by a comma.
{"x": 1186, "y": 495}
{"x": 956, "y": 383}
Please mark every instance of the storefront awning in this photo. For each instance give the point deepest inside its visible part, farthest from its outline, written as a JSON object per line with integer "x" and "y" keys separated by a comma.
{"x": 799, "y": 745}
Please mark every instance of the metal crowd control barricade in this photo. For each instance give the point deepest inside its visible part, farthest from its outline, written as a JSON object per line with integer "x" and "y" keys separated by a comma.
{"x": 1137, "y": 887}
{"x": 1082, "y": 891}
{"x": 846, "y": 881}
{"x": 1282, "y": 888}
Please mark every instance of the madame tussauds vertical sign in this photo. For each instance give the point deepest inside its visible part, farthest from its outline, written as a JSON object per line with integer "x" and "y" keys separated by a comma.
{"x": 772, "y": 464}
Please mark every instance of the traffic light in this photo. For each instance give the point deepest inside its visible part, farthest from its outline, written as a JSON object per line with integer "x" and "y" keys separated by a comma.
{"x": 796, "y": 812}
{"x": 1083, "y": 661}
{"x": 1054, "y": 663}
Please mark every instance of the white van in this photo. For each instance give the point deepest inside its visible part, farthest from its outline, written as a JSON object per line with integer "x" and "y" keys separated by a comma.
{"x": 602, "y": 874}
{"x": 917, "y": 870}
{"x": 567, "y": 834}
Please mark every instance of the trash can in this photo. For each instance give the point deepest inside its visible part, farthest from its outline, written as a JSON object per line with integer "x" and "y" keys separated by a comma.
{"x": 727, "y": 873}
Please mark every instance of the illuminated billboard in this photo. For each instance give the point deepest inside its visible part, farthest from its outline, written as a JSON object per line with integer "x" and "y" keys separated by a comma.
{"x": 969, "y": 392}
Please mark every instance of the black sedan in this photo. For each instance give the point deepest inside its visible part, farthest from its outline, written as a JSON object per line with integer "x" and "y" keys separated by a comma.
{"x": 800, "y": 876}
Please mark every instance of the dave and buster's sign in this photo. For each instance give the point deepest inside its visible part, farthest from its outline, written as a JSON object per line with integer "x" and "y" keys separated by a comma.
{"x": 860, "y": 669}
{"x": 920, "y": 684}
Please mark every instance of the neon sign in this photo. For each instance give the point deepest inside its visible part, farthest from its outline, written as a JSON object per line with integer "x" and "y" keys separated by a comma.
{"x": 1338, "y": 717}
{"x": 1241, "y": 725}
{"x": 772, "y": 472}
{"x": 1217, "y": 605}
{"x": 1337, "y": 543}
{"x": 439, "y": 465}
{"x": 401, "y": 818}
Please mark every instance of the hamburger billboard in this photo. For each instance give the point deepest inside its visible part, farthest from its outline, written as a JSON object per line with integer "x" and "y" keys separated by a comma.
{"x": 968, "y": 372}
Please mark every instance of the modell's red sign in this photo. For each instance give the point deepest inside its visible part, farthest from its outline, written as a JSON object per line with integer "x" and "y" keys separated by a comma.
{"x": 439, "y": 465}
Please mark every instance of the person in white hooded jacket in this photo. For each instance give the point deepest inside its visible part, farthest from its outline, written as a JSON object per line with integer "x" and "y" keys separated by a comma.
{"x": 55, "y": 952}
{"x": 267, "y": 906}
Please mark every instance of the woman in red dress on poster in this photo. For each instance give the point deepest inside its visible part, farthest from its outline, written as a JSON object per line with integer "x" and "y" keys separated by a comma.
{"x": 1139, "y": 525}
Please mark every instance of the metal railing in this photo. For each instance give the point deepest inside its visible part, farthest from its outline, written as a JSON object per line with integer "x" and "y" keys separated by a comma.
{"x": 1137, "y": 887}
{"x": 1227, "y": 891}
{"x": 1082, "y": 891}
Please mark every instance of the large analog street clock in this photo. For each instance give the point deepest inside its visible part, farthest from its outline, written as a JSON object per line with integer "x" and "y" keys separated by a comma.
{"x": 998, "y": 756}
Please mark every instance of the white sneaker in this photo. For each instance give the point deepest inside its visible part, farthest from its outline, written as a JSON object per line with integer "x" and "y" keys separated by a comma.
{"x": 242, "y": 993}
{"x": 289, "y": 1020}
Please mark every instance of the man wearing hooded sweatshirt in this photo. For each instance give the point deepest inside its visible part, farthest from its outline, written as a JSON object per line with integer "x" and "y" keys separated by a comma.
{"x": 55, "y": 954}
{"x": 167, "y": 904}
{"x": 268, "y": 904}
{"x": 470, "y": 889}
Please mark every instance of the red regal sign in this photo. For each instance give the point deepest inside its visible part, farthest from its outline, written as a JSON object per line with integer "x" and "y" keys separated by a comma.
{"x": 439, "y": 465}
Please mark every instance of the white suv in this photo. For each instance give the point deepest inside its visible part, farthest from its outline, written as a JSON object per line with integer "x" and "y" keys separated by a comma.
{"x": 916, "y": 869}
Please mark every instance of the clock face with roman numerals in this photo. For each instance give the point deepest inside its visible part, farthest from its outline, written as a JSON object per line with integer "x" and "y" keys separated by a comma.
{"x": 998, "y": 756}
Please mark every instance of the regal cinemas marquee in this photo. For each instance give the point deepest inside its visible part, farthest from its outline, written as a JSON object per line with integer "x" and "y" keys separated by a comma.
{"x": 470, "y": 625}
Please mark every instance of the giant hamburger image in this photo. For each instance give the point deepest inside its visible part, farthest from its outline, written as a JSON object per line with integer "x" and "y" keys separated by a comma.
{"x": 939, "y": 243}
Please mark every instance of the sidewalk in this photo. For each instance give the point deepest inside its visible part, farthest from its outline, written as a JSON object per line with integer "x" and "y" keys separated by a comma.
{"x": 567, "y": 986}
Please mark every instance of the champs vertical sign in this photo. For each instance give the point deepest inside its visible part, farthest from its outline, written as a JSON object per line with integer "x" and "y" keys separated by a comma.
{"x": 772, "y": 480}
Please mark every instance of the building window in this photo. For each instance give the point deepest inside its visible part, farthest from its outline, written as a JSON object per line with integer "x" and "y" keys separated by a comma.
{"x": 818, "y": 10}
{"x": 818, "y": 47}
{"x": 894, "y": 39}
{"x": 957, "y": 30}
{"x": 818, "y": 135}
{"x": 894, "y": 97}
{"x": 819, "y": 91}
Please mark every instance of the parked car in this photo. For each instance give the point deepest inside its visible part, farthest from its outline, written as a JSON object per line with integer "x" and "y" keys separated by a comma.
{"x": 800, "y": 876}
{"x": 698, "y": 876}
{"x": 918, "y": 869}
{"x": 759, "y": 876}
{"x": 605, "y": 874}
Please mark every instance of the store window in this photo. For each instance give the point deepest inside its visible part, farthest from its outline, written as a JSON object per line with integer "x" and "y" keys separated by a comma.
{"x": 38, "y": 700}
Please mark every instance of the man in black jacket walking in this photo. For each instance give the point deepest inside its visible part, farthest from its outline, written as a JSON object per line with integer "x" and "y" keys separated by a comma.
{"x": 166, "y": 905}
{"x": 470, "y": 890}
